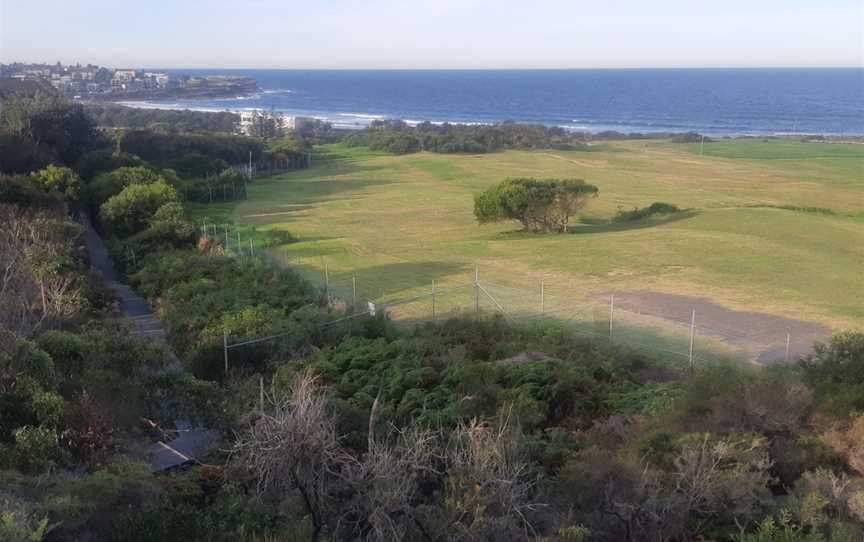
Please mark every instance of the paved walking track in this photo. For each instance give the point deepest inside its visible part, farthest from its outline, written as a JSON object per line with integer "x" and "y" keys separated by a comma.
{"x": 190, "y": 441}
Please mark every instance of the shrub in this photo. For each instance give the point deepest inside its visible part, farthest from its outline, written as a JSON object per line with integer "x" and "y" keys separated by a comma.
{"x": 108, "y": 185}
{"x": 19, "y": 154}
{"x": 61, "y": 180}
{"x": 656, "y": 208}
{"x": 131, "y": 210}
{"x": 37, "y": 449}
{"x": 48, "y": 407}
{"x": 101, "y": 161}
{"x": 68, "y": 352}
{"x": 690, "y": 137}
{"x": 197, "y": 165}
{"x": 25, "y": 192}
{"x": 19, "y": 522}
{"x": 839, "y": 361}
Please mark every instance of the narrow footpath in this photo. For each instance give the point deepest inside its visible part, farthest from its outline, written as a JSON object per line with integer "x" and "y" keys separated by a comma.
{"x": 190, "y": 442}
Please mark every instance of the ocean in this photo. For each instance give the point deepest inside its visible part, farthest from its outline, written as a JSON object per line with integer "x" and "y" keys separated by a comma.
{"x": 716, "y": 102}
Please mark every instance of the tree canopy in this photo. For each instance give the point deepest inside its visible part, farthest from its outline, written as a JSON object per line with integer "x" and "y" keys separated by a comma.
{"x": 540, "y": 205}
{"x": 397, "y": 137}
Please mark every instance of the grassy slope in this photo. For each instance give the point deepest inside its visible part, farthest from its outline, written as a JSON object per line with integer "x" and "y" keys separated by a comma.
{"x": 399, "y": 222}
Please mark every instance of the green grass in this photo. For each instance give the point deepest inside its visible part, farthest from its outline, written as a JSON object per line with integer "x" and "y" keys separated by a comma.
{"x": 778, "y": 149}
{"x": 398, "y": 222}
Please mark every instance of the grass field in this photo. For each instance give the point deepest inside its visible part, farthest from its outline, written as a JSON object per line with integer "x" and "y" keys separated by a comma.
{"x": 398, "y": 222}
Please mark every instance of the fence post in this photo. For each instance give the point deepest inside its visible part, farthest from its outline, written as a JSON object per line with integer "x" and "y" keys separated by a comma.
{"x": 611, "y": 315}
{"x": 353, "y": 292}
{"x": 692, "y": 336}
{"x": 226, "y": 236}
{"x": 476, "y": 289}
{"x": 239, "y": 245}
{"x": 251, "y": 249}
{"x": 225, "y": 346}
{"x": 788, "y": 339}
{"x": 326, "y": 281}
{"x": 433, "y": 300}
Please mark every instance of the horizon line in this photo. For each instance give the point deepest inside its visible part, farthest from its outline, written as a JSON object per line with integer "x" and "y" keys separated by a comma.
{"x": 597, "y": 68}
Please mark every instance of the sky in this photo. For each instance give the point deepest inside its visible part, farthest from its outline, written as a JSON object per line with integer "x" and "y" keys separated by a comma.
{"x": 440, "y": 34}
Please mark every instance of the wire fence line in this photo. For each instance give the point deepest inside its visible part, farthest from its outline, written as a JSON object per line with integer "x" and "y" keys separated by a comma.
{"x": 477, "y": 291}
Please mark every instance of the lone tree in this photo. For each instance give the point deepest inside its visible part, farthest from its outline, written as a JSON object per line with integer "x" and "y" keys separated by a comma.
{"x": 541, "y": 205}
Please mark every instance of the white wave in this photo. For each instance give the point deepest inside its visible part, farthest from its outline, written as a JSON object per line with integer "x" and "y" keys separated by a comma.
{"x": 362, "y": 116}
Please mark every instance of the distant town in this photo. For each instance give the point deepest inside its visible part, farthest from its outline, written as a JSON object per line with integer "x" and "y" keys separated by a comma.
{"x": 100, "y": 83}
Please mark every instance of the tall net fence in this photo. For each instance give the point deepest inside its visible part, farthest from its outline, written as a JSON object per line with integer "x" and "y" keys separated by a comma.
{"x": 680, "y": 333}
{"x": 676, "y": 332}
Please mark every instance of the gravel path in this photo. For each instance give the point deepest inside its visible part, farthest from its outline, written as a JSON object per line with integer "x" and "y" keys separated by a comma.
{"x": 189, "y": 441}
{"x": 762, "y": 334}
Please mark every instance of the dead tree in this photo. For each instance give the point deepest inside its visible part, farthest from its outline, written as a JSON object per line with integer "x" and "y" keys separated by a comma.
{"x": 293, "y": 448}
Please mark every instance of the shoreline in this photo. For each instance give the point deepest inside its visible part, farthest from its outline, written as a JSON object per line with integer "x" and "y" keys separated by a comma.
{"x": 360, "y": 121}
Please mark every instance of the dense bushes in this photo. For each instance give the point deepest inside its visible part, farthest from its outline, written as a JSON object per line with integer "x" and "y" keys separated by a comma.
{"x": 133, "y": 209}
{"x": 54, "y": 128}
{"x": 203, "y": 295}
{"x": 118, "y": 116}
{"x": 397, "y": 137}
{"x": 163, "y": 148}
{"x": 641, "y": 213}
{"x": 19, "y": 154}
{"x": 93, "y": 163}
{"x": 198, "y": 165}
{"x": 836, "y": 370}
{"x": 107, "y": 185}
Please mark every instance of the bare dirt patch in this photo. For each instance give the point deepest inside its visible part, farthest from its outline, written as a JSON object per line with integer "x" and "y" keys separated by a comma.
{"x": 762, "y": 334}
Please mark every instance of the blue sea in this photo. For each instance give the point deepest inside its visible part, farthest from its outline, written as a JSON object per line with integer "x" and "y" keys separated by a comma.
{"x": 712, "y": 101}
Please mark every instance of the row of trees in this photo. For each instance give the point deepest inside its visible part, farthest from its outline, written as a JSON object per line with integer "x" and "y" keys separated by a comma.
{"x": 110, "y": 115}
{"x": 36, "y": 130}
{"x": 397, "y": 137}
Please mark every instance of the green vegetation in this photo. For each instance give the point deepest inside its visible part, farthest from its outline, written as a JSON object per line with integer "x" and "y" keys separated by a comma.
{"x": 110, "y": 115}
{"x": 656, "y": 208}
{"x": 342, "y": 426}
{"x": 162, "y": 149}
{"x": 722, "y": 248}
{"x": 544, "y": 205}
{"x": 397, "y": 137}
{"x": 777, "y": 149}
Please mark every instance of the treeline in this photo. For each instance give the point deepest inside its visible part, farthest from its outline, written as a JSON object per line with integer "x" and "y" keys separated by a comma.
{"x": 162, "y": 148}
{"x": 398, "y": 137}
{"x": 41, "y": 129}
{"x": 109, "y": 115}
